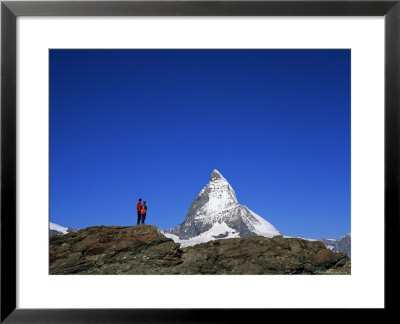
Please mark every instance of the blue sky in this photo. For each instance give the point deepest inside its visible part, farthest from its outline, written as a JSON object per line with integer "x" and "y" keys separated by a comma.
{"x": 154, "y": 124}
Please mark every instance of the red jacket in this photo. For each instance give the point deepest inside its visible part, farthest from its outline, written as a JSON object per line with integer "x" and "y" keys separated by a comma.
{"x": 139, "y": 206}
{"x": 143, "y": 210}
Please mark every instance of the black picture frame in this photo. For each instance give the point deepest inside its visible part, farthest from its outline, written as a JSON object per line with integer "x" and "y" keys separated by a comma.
{"x": 10, "y": 10}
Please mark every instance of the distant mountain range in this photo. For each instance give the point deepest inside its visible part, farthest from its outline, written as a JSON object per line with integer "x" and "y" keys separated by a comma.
{"x": 342, "y": 244}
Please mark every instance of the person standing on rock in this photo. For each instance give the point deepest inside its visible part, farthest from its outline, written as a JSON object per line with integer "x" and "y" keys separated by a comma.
{"x": 139, "y": 208}
{"x": 143, "y": 211}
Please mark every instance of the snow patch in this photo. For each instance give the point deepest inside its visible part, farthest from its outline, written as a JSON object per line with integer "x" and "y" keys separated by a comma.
{"x": 218, "y": 229}
{"x": 259, "y": 225}
{"x": 56, "y": 227}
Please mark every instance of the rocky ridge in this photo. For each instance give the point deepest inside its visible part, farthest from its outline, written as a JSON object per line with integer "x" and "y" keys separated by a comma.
{"x": 144, "y": 250}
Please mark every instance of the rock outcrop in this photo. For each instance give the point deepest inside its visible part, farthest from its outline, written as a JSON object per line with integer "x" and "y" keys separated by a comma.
{"x": 143, "y": 249}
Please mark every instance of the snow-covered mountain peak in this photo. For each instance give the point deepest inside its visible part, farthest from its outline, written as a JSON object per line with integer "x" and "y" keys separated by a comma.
{"x": 216, "y": 175}
{"x": 216, "y": 196}
{"x": 215, "y": 209}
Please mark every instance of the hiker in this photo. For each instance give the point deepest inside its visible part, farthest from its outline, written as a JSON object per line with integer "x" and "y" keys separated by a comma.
{"x": 139, "y": 208}
{"x": 143, "y": 211}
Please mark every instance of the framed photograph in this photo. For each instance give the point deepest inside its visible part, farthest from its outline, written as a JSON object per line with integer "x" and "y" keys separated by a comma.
{"x": 163, "y": 159}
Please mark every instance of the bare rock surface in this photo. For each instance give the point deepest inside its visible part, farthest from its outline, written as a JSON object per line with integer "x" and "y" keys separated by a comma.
{"x": 143, "y": 249}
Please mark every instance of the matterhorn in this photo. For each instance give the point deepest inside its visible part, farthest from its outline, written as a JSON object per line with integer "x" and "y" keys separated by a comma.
{"x": 217, "y": 214}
